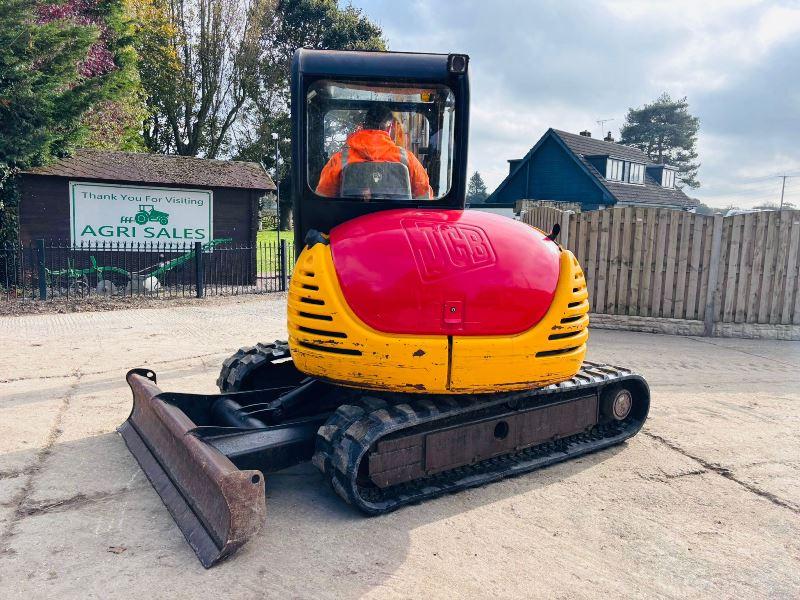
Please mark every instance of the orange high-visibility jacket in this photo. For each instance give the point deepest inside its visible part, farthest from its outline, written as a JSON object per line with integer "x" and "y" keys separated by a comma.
{"x": 372, "y": 145}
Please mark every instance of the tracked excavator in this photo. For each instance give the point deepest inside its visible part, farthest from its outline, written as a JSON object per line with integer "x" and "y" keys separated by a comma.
{"x": 430, "y": 348}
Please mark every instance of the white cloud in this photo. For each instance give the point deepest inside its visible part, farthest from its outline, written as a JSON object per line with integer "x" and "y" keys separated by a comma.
{"x": 723, "y": 38}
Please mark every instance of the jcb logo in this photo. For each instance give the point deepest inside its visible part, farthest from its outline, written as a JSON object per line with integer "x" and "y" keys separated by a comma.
{"x": 442, "y": 249}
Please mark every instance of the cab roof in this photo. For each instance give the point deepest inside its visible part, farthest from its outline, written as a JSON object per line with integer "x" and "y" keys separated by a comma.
{"x": 416, "y": 66}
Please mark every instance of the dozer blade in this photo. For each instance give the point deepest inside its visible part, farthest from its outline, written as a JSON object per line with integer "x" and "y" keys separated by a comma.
{"x": 216, "y": 506}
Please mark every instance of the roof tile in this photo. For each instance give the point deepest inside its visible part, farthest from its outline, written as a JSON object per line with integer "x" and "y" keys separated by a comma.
{"x": 587, "y": 146}
{"x": 137, "y": 167}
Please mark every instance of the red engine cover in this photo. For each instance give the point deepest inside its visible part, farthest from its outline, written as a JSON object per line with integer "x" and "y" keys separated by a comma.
{"x": 445, "y": 272}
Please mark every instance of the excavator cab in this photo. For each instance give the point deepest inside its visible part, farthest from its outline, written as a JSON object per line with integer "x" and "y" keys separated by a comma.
{"x": 424, "y": 103}
{"x": 430, "y": 348}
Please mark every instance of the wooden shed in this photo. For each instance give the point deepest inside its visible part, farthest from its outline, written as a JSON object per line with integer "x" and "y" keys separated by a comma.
{"x": 128, "y": 197}
{"x": 138, "y": 211}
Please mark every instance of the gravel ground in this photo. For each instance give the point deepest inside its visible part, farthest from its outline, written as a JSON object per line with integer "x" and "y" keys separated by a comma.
{"x": 705, "y": 502}
{"x": 98, "y": 303}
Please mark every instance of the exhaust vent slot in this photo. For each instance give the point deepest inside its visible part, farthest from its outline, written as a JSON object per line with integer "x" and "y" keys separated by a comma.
{"x": 556, "y": 352}
{"x": 563, "y": 336}
{"x": 308, "y": 315}
{"x": 313, "y": 301}
{"x": 574, "y": 304}
{"x": 571, "y": 319}
{"x": 322, "y": 332}
{"x": 307, "y": 273}
{"x": 348, "y": 351}
{"x": 308, "y": 286}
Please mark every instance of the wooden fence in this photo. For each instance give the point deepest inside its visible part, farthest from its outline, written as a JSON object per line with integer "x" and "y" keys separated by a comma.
{"x": 654, "y": 262}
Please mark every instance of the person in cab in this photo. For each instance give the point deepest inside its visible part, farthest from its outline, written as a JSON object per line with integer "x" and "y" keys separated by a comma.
{"x": 372, "y": 165}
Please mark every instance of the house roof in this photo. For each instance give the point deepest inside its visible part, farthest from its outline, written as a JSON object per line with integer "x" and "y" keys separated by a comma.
{"x": 582, "y": 147}
{"x": 586, "y": 146}
{"x": 137, "y": 167}
{"x": 652, "y": 192}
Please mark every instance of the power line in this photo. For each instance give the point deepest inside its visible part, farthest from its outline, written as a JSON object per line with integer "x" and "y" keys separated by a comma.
{"x": 755, "y": 188}
{"x": 767, "y": 177}
{"x": 751, "y": 192}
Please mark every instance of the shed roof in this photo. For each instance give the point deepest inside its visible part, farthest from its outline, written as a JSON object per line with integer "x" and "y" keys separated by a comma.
{"x": 138, "y": 167}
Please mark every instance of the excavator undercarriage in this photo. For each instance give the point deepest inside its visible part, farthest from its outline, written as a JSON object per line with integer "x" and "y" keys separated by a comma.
{"x": 207, "y": 454}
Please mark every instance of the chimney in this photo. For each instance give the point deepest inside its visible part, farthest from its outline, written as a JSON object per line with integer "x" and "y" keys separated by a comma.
{"x": 586, "y": 133}
{"x": 608, "y": 138}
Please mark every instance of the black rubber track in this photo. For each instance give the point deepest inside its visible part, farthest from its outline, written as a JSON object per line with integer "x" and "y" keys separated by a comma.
{"x": 245, "y": 370}
{"x": 345, "y": 440}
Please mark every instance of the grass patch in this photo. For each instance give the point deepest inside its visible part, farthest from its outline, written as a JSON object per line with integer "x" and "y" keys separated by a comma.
{"x": 267, "y": 249}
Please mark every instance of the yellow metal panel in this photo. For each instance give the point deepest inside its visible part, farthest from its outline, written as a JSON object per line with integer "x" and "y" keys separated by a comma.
{"x": 329, "y": 341}
{"x": 550, "y": 352}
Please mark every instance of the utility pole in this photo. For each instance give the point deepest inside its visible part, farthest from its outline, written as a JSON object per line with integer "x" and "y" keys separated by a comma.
{"x": 277, "y": 189}
{"x": 277, "y": 182}
{"x": 783, "y": 188}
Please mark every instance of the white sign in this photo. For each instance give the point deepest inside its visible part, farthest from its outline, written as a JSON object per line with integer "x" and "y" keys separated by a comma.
{"x": 117, "y": 213}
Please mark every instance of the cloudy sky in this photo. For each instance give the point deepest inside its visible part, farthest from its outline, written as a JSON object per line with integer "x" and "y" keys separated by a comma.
{"x": 565, "y": 64}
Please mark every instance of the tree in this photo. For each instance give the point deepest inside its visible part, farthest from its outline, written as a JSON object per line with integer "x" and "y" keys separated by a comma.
{"x": 114, "y": 122}
{"x": 54, "y": 66}
{"x": 319, "y": 24}
{"x": 476, "y": 189}
{"x": 704, "y": 209}
{"x": 667, "y": 133}
{"x": 199, "y": 65}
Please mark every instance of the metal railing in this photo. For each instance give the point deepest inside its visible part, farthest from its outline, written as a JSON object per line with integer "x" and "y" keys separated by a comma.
{"x": 47, "y": 269}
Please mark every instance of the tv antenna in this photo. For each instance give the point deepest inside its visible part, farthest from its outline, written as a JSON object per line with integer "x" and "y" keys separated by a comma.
{"x": 602, "y": 124}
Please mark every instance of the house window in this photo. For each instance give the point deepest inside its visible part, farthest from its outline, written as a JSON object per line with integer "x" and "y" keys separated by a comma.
{"x": 636, "y": 173}
{"x": 614, "y": 169}
{"x": 668, "y": 178}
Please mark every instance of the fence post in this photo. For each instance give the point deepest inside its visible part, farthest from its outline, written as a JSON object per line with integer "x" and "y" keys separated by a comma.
{"x": 199, "y": 271}
{"x": 565, "y": 216}
{"x": 42, "y": 271}
{"x": 713, "y": 274}
{"x": 282, "y": 270}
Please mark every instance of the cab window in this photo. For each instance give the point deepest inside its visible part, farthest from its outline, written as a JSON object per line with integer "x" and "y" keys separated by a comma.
{"x": 379, "y": 141}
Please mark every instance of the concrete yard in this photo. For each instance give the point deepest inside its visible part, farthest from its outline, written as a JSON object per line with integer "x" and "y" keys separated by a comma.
{"x": 705, "y": 502}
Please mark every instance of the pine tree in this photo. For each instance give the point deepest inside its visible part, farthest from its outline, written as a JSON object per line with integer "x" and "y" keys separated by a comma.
{"x": 476, "y": 189}
{"x": 667, "y": 133}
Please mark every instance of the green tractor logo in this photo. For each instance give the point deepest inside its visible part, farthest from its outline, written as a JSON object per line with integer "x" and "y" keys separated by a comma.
{"x": 147, "y": 214}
